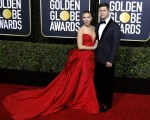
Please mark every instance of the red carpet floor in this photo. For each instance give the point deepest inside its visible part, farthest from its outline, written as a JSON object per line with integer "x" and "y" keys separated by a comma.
{"x": 125, "y": 107}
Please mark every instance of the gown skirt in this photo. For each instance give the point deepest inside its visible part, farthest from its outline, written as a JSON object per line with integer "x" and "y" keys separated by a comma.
{"x": 73, "y": 88}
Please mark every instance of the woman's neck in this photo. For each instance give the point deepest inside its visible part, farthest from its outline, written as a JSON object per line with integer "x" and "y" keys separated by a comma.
{"x": 87, "y": 26}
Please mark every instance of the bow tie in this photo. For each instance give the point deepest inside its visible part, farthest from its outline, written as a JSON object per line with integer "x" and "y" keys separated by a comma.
{"x": 102, "y": 22}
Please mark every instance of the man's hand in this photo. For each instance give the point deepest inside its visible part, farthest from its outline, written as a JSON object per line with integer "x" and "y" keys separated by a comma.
{"x": 108, "y": 64}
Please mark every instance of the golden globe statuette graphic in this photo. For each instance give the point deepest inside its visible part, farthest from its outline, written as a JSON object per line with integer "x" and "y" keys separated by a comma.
{"x": 124, "y": 17}
{"x": 7, "y": 13}
{"x": 64, "y": 15}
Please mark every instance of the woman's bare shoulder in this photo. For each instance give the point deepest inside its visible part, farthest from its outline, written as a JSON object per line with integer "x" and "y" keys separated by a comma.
{"x": 81, "y": 29}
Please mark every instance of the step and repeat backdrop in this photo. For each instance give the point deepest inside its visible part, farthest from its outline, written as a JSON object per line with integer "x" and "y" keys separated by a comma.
{"x": 62, "y": 18}
{"x": 15, "y": 17}
{"x": 133, "y": 17}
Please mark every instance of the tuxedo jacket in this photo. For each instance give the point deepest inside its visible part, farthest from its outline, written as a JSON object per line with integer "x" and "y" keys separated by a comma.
{"x": 108, "y": 43}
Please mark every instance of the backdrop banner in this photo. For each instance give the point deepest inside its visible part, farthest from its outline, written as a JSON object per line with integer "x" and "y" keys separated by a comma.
{"x": 15, "y": 17}
{"x": 133, "y": 17}
{"x": 62, "y": 18}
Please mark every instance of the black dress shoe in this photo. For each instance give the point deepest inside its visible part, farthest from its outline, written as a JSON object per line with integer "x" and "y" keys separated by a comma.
{"x": 105, "y": 108}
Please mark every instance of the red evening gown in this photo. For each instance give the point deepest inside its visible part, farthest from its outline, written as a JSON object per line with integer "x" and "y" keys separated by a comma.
{"x": 73, "y": 88}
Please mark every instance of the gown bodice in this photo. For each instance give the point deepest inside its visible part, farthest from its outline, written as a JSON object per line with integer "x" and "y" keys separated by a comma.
{"x": 87, "y": 40}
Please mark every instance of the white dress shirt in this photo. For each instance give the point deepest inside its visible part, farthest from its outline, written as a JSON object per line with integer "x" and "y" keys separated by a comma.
{"x": 102, "y": 27}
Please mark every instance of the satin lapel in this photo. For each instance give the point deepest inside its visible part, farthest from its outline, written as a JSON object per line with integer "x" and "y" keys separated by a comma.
{"x": 106, "y": 28}
{"x": 97, "y": 28}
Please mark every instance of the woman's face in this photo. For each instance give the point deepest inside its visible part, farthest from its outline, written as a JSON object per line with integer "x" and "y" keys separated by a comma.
{"x": 87, "y": 18}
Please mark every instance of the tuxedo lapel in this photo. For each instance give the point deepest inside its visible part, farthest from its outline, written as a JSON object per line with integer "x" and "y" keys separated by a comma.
{"x": 97, "y": 28}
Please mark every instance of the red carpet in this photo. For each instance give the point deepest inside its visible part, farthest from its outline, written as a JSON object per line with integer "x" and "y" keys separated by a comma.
{"x": 125, "y": 107}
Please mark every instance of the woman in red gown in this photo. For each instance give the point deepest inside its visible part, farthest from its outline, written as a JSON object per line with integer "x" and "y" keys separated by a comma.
{"x": 73, "y": 87}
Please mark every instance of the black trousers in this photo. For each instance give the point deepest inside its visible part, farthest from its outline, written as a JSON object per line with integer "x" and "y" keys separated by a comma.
{"x": 104, "y": 83}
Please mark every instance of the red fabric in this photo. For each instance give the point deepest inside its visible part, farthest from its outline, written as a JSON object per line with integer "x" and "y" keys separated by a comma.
{"x": 125, "y": 107}
{"x": 73, "y": 88}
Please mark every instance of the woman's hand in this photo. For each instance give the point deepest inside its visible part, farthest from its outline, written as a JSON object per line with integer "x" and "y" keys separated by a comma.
{"x": 95, "y": 45}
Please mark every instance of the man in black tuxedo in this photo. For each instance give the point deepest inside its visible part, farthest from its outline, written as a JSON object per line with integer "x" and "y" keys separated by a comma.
{"x": 108, "y": 33}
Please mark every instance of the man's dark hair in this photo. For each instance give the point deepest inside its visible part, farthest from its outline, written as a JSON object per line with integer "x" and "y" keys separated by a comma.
{"x": 104, "y": 5}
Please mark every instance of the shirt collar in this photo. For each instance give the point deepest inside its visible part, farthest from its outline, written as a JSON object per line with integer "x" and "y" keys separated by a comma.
{"x": 107, "y": 20}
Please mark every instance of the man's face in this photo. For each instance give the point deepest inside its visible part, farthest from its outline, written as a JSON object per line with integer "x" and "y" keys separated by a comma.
{"x": 103, "y": 12}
